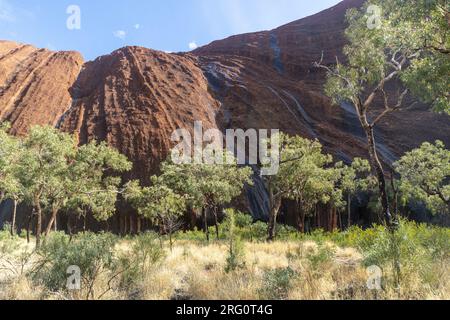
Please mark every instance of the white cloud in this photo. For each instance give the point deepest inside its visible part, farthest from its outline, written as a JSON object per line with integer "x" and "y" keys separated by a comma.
{"x": 137, "y": 26}
{"x": 120, "y": 34}
{"x": 193, "y": 45}
{"x": 6, "y": 12}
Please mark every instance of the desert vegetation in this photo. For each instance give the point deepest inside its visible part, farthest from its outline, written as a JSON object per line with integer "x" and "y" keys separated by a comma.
{"x": 241, "y": 265}
{"x": 48, "y": 173}
{"x": 49, "y": 178}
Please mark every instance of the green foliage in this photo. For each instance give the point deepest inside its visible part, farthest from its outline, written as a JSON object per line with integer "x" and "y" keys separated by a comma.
{"x": 92, "y": 253}
{"x": 136, "y": 263}
{"x": 305, "y": 175}
{"x": 158, "y": 203}
{"x": 425, "y": 176}
{"x": 277, "y": 283}
{"x": 205, "y": 185}
{"x": 255, "y": 232}
{"x": 92, "y": 184}
{"x": 44, "y": 162}
{"x": 49, "y": 171}
{"x": 146, "y": 249}
{"x": 356, "y": 177}
{"x": 242, "y": 220}
{"x": 410, "y": 44}
{"x": 236, "y": 255}
{"x": 10, "y": 154}
{"x": 410, "y": 250}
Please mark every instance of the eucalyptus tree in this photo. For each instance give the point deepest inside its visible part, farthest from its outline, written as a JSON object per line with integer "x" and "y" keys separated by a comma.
{"x": 44, "y": 167}
{"x": 353, "y": 179}
{"x": 207, "y": 186}
{"x": 96, "y": 179}
{"x": 91, "y": 183}
{"x": 305, "y": 175}
{"x": 158, "y": 203}
{"x": 406, "y": 42}
{"x": 11, "y": 152}
{"x": 425, "y": 176}
{"x": 56, "y": 174}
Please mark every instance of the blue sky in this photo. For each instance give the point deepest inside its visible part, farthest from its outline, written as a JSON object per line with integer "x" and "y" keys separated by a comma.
{"x": 168, "y": 25}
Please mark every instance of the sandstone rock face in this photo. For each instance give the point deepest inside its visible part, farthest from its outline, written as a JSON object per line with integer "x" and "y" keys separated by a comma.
{"x": 267, "y": 79}
{"x": 135, "y": 97}
{"x": 34, "y": 84}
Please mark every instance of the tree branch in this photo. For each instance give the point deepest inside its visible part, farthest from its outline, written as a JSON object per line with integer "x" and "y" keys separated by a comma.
{"x": 388, "y": 109}
{"x": 320, "y": 65}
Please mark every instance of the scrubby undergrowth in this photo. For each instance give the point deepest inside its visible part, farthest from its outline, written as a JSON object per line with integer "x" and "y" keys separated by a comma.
{"x": 315, "y": 266}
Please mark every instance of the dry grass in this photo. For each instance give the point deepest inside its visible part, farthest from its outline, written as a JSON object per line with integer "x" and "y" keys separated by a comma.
{"x": 196, "y": 271}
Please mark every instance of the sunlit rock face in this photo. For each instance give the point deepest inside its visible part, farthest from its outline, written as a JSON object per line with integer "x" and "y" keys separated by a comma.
{"x": 34, "y": 84}
{"x": 135, "y": 97}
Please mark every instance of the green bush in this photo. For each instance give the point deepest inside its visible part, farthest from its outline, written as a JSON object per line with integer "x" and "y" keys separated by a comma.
{"x": 243, "y": 220}
{"x": 192, "y": 235}
{"x": 254, "y": 232}
{"x": 135, "y": 264}
{"x": 92, "y": 253}
{"x": 324, "y": 254}
{"x": 277, "y": 283}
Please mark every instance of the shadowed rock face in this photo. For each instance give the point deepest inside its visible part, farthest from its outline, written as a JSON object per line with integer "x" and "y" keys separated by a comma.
{"x": 267, "y": 80}
{"x": 135, "y": 98}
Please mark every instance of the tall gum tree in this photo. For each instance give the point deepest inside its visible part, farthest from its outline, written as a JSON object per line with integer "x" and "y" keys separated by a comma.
{"x": 305, "y": 176}
{"x": 11, "y": 151}
{"x": 43, "y": 168}
{"x": 407, "y": 44}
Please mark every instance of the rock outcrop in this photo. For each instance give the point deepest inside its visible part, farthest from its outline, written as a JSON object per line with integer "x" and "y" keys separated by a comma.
{"x": 34, "y": 84}
{"x": 135, "y": 97}
{"x": 267, "y": 79}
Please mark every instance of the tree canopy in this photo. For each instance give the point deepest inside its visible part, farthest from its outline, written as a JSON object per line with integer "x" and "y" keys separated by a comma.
{"x": 397, "y": 53}
{"x": 409, "y": 43}
{"x": 206, "y": 186}
{"x": 50, "y": 172}
{"x": 425, "y": 176}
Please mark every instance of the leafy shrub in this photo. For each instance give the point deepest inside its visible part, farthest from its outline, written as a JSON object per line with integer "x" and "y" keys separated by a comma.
{"x": 92, "y": 253}
{"x": 287, "y": 233}
{"x": 324, "y": 254}
{"x": 358, "y": 238}
{"x": 192, "y": 235}
{"x": 435, "y": 239}
{"x": 277, "y": 283}
{"x": 145, "y": 252}
{"x": 402, "y": 255}
{"x": 243, "y": 220}
{"x": 254, "y": 232}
